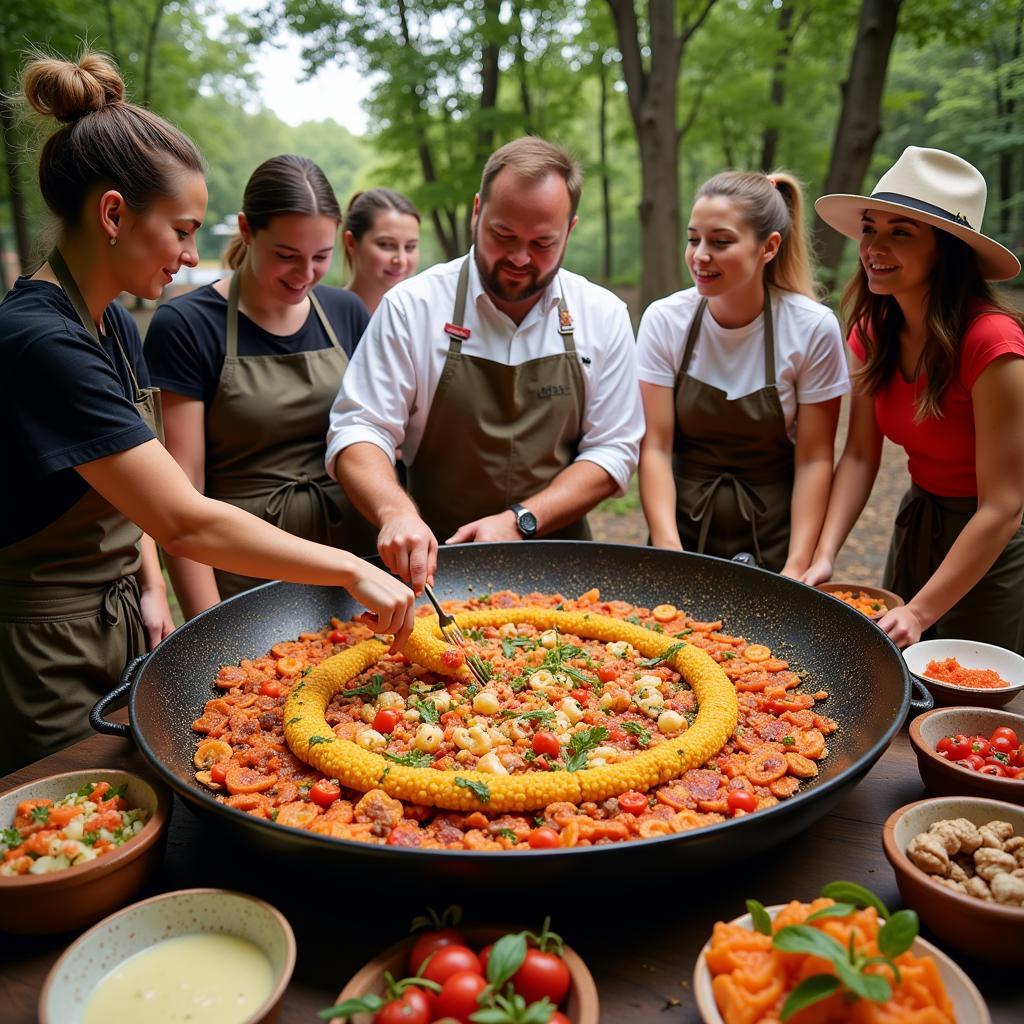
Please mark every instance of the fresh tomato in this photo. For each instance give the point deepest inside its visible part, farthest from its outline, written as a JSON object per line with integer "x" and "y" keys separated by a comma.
{"x": 980, "y": 746}
{"x": 993, "y": 768}
{"x": 1005, "y": 730}
{"x": 581, "y": 696}
{"x": 960, "y": 748}
{"x": 219, "y": 772}
{"x": 945, "y": 745}
{"x": 972, "y": 762}
{"x": 607, "y": 674}
{"x": 559, "y": 1018}
{"x": 324, "y": 792}
{"x": 431, "y": 942}
{"x": 542, "y": 974}
{"x": 1018, "y": 757}
{"x": 386, "y": 719}
{"x": 781, "y": 704}
{"x": 413, "y": 1006}
{"x": 544, "y": 838}
{"x": 458, "y": 996}
{"x": 449, "y": 960}
{"x": 337, "y": 637}
{"x": 741, "y": 800}
{"x": 272, "y": 688}
{"x": 1003, "y": 744}
{"x": 633, "y": 802}
{"x": 1018, "y": 773}
{"x": 546, "y": 743}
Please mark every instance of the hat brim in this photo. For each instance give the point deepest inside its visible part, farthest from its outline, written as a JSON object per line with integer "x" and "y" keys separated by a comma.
{"x": 844, "y": 213}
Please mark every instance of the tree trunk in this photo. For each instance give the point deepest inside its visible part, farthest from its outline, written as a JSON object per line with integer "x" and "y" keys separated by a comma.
{"x": 1007, "y": 109}
{"x": 777, "y": 91}
{"x": 111, "y": 31}
{"x": 859, "y": 119}
{"x": 15, "y": 194}
{"x": 653, "y": 107}
{"x": 606, "y": 188}
{"x": 525, "y": 100}
{"x": 152, "y": 34}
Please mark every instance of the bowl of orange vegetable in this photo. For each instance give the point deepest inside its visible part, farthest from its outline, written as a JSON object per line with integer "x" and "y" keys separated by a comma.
{"x": 873, "y": 602}
{"x": 844, "y": 951}
{"x": 76, "y": 846}
{"x": 966, "y": 673}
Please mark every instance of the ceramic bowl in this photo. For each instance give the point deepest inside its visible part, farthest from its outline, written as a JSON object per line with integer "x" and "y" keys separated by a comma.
{"x": 968, "y": 1005}
{"x": 971, "y": 655}
{"x": 890, "y": 599}
{"x": 108, "y": 944}
{"x": 946, "y": 778}
{"x": 77, "y": 896}
{"x": 982, "y": 929}
{"x": 581, "y": 1004}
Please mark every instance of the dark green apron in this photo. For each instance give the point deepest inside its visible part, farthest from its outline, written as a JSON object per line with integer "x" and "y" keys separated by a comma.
{"x": 992, "y": 611}
{"x": 732, "y": 462}
{"x": 69, "y": 603}
{"x": 265, "y": 440}
{"x": 496, "y": 434}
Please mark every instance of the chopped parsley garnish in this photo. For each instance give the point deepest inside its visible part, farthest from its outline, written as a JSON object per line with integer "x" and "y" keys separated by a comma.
{"x": 474, "y": 634}
{"x": 292, "y": 721}
{"x": 371, "y": 689}
{"x": 485, "y": 599}
{"x": 507, "y": 833}
{"x": 728, "y": 655}
{"x": 427, "y": 709}
{"x": 643, "y": 737}
{"x": 10, "y": 837}
{"x": 413, "y": 759}
{"x": 116, "y": 791}
{"x": 315, "y": 741}
{"x": 538, "y": 821}
{"x": 664, "y": 656}
{"x": 472, "y": 690}
{"x": 518, "y": 684}
{"x": 41, "y": 815}
{"x": 306, "y": 670}
{"x": 86, "y": 790}
{"x": 273, "y": 813}
{"x": 305, "y": 788}
{"x": 556, "y": 661}
{"x": 544, "y": 716}
{"x": 529, "y": 755}
{"x": 384, "y": 774}
{"x": 788, "y": 741}
{"x": 634, "y": 619}
{"x": 580, "y": 744}
{"x": 478, "y": 789}
{"x": 683, "y": 632}
{"x": 510, "y": 644}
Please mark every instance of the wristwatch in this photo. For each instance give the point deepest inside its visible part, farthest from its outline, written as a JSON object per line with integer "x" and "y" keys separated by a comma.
{"x": 526, "y": 521}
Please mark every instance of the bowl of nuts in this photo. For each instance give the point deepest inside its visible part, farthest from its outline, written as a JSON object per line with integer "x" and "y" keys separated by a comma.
{"x": 959, "y": 862}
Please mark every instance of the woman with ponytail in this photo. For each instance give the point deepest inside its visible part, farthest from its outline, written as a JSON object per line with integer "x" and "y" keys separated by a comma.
{"x": 81, "y": 592}
{"x": 248, "y": 368}
{"x": 741, "y": 379}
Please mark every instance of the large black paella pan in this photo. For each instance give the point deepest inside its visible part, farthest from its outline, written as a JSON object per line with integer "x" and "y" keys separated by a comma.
{"x": 844, "y": 653}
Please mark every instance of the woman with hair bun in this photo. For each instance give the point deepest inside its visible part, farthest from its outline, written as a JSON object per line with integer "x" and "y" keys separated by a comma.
{"x": 382, "y": 239}
{"x": 248, "y": 368}
{"x": 81, "y": 591}
{"x": 741, "y": 379}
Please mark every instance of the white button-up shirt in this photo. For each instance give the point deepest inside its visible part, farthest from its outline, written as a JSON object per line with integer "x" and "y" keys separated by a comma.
{"x": 389, "y": 385}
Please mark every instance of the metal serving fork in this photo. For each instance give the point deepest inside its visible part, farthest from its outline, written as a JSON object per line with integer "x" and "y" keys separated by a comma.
{"x": 453, "y": 635}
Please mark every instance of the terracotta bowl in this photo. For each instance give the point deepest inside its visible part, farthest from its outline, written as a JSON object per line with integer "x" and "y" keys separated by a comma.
{"x": 581, "y": 1005}
{"x": 890, "y": 599}
{"x": 108, "y": 944}
{"x": 945, "y": 778}
{"x": 77, "y": 896}
{"x": 982, "y": 929}
{"x": 971, "y": 655}
{"x": 968, "y": 1005}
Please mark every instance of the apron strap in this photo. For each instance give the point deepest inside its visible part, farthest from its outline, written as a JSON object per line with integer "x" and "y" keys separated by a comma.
{"x": 769, "y": 338}
{"x": 454, "y": 328}
{"x": 565, "y": 328}
{"x": 324, "y": 322}
{"x": 691, "y": 335}
{"x": 231, "y": 324}
{"x": 74, "y": 294}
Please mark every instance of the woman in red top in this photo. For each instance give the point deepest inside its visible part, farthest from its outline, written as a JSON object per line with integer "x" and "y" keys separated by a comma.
{"x": 938, "y": 364}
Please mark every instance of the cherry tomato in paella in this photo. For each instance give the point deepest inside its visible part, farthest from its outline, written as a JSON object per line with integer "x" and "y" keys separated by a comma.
{"x": 633, "y": 802}
{"x": 449, "y": 960}
{"x": 324, "y": 792}
{"x": 542, "y": 974}
{"x": 431, "y": 942}
{"x": 219, "y": 772}
{"x": 272, "y": 688}
{"x": 386, "y": 720}
{"x": 546, "y": 743}
{"x": 581, "y": 696}
{"x": 337, "y": 637}
{"x": 544, "y": 838}
{"x": 607, "y": 674}
{"x": 458, "y": 996}
{"x": 741, "y": 800}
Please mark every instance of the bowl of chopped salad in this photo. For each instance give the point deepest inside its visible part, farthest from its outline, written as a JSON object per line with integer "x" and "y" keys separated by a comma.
{"x": 77, "y": 845}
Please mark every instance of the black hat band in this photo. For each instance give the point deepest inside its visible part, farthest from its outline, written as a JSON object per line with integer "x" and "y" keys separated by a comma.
{"x": 923, "y": 207}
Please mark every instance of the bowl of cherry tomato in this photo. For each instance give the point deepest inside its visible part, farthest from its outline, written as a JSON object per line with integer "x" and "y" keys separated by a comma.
{"x": 448, "y": 973}
{"x": 971, "y": 752}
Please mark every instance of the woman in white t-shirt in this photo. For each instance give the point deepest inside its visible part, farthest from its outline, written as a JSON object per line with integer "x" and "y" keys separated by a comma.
{"x": 741, "y": 379}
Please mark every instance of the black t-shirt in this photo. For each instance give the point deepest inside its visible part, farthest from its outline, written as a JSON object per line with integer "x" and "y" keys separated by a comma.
{"x": 186, "y": 340}
{"x": 65, "y": 401}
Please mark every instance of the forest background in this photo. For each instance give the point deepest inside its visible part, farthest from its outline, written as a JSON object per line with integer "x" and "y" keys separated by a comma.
{"x": 653, "y": 97}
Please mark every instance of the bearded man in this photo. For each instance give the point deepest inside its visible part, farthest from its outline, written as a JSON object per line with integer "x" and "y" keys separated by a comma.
{"x": 508, "y": 383}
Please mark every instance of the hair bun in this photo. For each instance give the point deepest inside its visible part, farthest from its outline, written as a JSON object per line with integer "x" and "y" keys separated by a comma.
{"x": 67, "y": 90}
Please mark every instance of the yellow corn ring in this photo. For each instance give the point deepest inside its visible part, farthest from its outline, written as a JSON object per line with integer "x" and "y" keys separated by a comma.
{"x": 313, "y": 741}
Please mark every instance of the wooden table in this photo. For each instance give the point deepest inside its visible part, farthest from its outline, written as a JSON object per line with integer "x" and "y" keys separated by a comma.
{"x": 640, "y": 941}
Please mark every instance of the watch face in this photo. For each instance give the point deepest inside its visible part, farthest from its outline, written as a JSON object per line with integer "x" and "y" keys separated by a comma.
{"x": 527, "y": 522}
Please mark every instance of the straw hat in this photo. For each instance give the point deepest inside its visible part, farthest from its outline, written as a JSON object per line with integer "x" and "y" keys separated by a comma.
{"x": 935, "y": 188}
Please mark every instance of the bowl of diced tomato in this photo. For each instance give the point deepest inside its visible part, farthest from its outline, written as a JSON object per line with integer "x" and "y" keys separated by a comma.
{"x": 966, "y": 672}
{"x": 445, "y": 972}
{"x": 77, "y": 845}
{"x": 971, "y": 752}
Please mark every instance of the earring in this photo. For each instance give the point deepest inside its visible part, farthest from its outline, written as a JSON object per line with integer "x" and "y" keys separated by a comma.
{"x": 113, "y": 241}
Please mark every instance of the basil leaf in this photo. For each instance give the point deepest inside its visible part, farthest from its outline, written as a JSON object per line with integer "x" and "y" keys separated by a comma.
{"x": 539, "y": 1013}
{"x": 851, "y": 892}
{"x": 507, "y": 956}
{"x": 868, "y": 986}
{"x": 490, "y": 1015}
{"x": 836, "y": 910}
{"x": 800, "y": 938}
{"x": 810, "y": 990}
{"x": 367, "y": 1004}
{"x": 898, "y": 933}
{"x": 759, "y": 916}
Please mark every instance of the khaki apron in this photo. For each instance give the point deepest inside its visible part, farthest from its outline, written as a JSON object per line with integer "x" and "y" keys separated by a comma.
{"x": 496, "y": 434}
{"x": 992, "y": 611}
{"x": 265, "y": 440}
{"x": 69, "y": 603}
{"x": 732, "y": 462}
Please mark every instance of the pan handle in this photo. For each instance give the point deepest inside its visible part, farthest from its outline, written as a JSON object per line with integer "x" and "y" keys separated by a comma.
{"x": 924, "y": 702}
{"x": 128, "y": 676}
